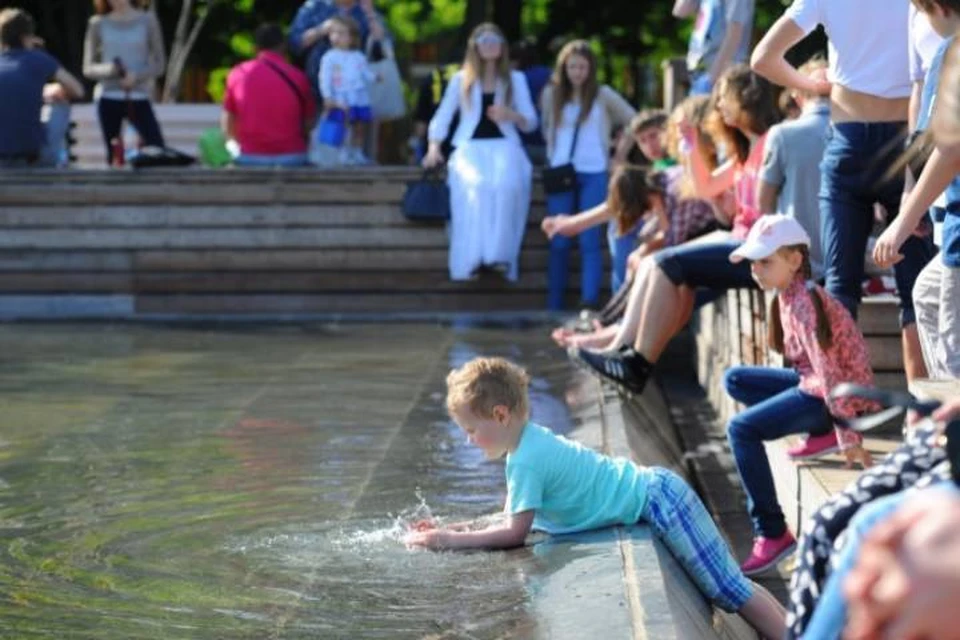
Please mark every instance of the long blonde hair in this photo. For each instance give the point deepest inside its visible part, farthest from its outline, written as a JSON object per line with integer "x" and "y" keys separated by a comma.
{"x": 562, "y": 88}
{"x": 473, "y": 64}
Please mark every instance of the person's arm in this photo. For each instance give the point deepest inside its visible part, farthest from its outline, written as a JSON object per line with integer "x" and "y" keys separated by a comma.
{"x": 621, "y": 112}
{"x": 525, "y": 112}
{"x": 326, "y": 80}
{"x": 228, "y": 124}
{"x": 439, "y": 125}
{"x": 93, "y": 67}
{"x": 510, "y": 534}
{"x": 573, "y": 225}
{"x": 706, "y": 184}
{"x": 685, "y": 8}
{"x": 731, "y": 42}
{"x": 306, "y": 30}
{"x": 769, "y": 58}
{"x": 913, "y": 117}
{"x": 772, "y": 173}
{"x": 659, "y": 238}
{"x": 906, "y": 582}
{"x": 72, "y": 86}
{"x": 157, "y": 55}
{"x": 937, "y": 175}
{"x": 767, "y": 194}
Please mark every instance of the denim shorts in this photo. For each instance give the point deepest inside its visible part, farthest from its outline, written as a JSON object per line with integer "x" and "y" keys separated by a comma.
{"x": 361, "y": 114}
{"x": 705, "y": 265}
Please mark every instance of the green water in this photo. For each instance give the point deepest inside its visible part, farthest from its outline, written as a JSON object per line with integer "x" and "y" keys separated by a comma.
{"x": 249, "y": 483}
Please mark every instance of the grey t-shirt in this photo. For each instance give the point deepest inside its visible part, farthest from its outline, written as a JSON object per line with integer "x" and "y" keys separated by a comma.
{"x": 137, "y": 42}
{"x": 713, "y": 18}
{"x": 791, "y": 161}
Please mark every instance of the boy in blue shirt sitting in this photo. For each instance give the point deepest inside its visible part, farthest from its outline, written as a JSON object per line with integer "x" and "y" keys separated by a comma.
{"x": 559, "y": 486}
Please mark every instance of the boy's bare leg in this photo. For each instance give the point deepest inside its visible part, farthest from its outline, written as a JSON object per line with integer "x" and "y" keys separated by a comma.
{"x": 764, "y": 613}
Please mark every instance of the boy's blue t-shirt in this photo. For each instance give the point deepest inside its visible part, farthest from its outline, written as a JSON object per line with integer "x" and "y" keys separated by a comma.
{"x": 23, "y": 72}
{"x": 572, "y": 487}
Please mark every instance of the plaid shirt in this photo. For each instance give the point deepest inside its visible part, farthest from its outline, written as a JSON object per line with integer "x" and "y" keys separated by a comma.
{"x": 689, "y": 217}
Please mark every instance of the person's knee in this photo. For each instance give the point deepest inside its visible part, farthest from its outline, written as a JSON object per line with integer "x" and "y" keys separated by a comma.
{"x": 740, "y": 430}
{"x": 733, "y": 381}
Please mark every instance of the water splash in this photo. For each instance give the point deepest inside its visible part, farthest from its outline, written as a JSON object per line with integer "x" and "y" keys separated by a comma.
{"x": 395, "y": 532}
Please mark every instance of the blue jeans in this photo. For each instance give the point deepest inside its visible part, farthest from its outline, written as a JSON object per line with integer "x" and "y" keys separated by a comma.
{"x": 621, "y": 246}
{"x": 56, "y": 121}
{"x": 592, "y": 191}
{"x": 851, "y": 180}
{"x": 286, "y": 160}
{"x": 138, "y": 113}
{"x": 775, "y": 408}
{"x": 830, "y": 614}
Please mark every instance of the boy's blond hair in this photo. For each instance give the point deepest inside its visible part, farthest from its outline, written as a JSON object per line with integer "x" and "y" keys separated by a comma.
{"x": 484, "y": 383}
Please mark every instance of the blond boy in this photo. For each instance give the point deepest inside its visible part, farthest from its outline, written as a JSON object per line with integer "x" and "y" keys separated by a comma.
{"x": 558, "y": 486}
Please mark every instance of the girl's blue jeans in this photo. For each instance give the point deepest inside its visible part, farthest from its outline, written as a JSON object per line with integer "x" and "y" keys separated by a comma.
{"x": 775, "y": 408}
{"x": 592, "y": 189}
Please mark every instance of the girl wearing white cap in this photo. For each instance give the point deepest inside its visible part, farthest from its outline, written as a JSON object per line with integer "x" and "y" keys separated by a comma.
{"x": 818, "y": 336}
{"x": 489, "y": 173}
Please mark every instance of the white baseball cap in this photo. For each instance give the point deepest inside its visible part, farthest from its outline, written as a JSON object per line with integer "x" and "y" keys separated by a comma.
{"x": 768, "y": 234}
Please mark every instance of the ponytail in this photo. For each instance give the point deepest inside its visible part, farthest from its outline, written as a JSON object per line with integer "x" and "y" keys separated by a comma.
{"x": 775, "y": 323}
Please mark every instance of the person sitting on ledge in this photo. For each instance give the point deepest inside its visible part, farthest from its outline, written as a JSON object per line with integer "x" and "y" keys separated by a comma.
{"x": 269, "y": 108}
{"x": 31, "y": 136}
{"x": 559, "y": 486}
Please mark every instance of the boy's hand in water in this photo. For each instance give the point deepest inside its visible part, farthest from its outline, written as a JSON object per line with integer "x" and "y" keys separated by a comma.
{"x": 423, "y": 525}
{"x": 429, "y": 539}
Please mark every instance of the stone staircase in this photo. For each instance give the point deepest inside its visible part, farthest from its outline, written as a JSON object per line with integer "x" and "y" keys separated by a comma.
{"x": 200, "y": 243}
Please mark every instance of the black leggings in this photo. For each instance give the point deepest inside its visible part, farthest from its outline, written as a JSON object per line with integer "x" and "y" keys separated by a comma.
{"x": 140, "y": 113}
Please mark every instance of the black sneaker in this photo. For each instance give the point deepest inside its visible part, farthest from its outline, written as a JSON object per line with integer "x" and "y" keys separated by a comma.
{"x": 626, "y": 368}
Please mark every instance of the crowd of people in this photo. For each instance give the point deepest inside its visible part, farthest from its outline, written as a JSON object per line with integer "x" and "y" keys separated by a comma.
{"x": 733, "y": 192}
{"x": 854, "y": 168}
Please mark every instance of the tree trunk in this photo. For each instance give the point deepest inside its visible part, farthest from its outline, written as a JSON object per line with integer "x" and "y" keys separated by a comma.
{"x": 476, "y": 13}
{"x": 184, "y": 39}
{"x": 508, "y": 15}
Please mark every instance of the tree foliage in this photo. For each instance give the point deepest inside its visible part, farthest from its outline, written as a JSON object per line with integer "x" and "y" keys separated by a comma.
{"x": 632, "y": 37}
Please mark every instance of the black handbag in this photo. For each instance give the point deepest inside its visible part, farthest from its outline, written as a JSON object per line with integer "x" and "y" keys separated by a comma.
{"x": 562, "y": 179}
{"x": 427, "y": 198}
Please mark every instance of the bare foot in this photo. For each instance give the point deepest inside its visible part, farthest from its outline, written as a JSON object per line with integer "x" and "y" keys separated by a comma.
{"x": 597, "y": 340}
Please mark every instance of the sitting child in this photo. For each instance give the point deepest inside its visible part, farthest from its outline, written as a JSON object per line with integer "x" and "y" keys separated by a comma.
{"x": 645, "y": 204}
{"x": 825, "y": 347}
{"x": 559, "y": 486}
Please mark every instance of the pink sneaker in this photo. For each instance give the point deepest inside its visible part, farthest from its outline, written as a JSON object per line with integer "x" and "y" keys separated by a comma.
{"x": 768, "y": 552}
{"x": 815, "y": 447}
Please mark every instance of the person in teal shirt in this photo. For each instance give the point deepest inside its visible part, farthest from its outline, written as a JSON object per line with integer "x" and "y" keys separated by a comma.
{"x": 559, "y": 486}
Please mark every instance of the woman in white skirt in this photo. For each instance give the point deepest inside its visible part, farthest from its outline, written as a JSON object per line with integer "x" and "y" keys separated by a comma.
{"x": 488, "y": 173}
